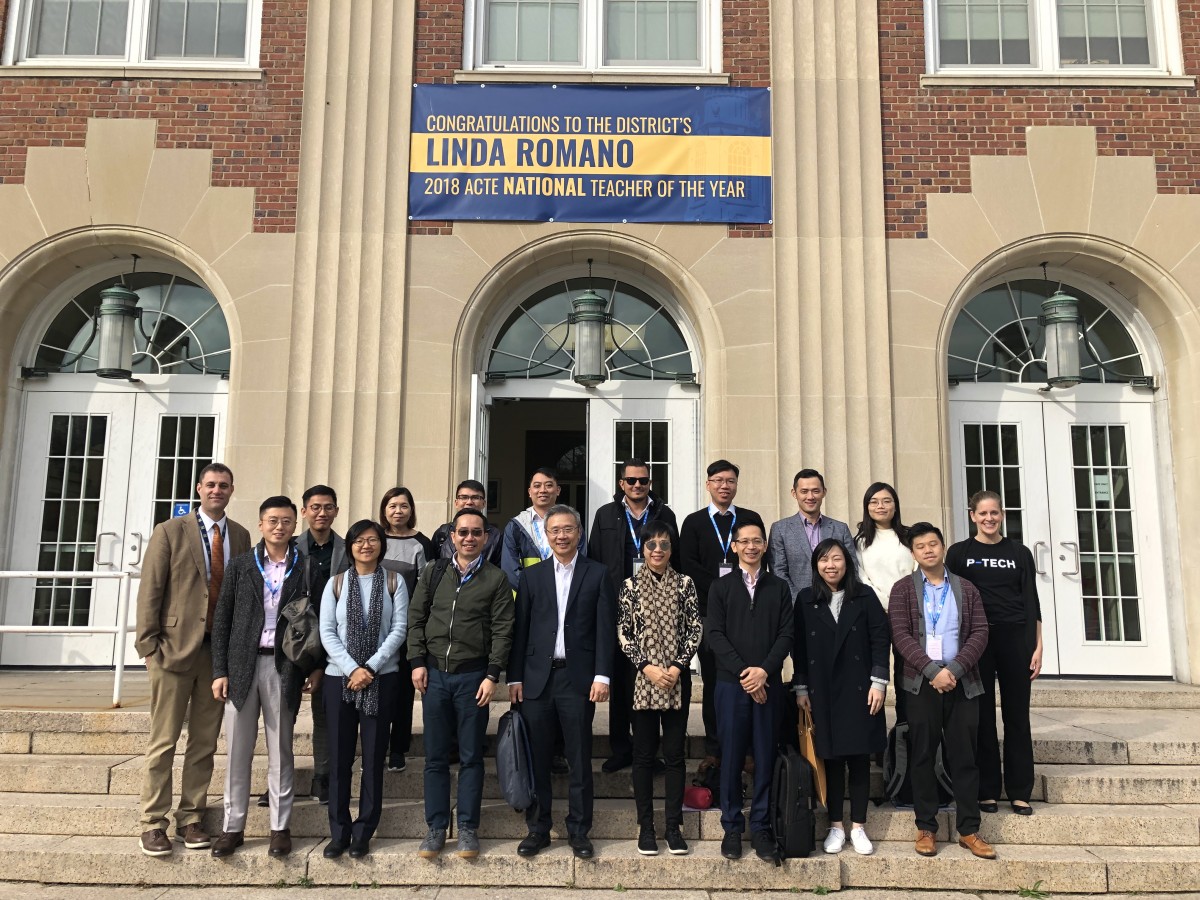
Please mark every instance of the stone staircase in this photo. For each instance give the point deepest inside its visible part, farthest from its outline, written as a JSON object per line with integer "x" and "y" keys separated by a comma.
{"x": 1117, "y": 810}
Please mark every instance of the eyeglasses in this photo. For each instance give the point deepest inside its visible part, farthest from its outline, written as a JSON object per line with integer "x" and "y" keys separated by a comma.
{"x": 640, "y": 480}
{"x": 469, "y": 532}
{"x": 321, "y": 507}
{"x": 273, "y": 522}
{"x": 473, "y": 498}
{"x": 722, "y": 481}
{"x": 664, "y": 546}
{"x": 887, "y": 501}
{"x": 366, "y": 542}
{"x": 566, "y": 530}
{"x": 750, "y": 542}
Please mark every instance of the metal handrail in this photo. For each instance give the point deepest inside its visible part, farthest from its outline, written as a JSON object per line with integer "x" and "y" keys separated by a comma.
{"x": 120, "y": 629}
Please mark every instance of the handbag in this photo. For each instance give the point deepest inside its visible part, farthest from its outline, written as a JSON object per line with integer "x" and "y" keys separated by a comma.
{"x": 301, "y": 626}
{"x": 514, "y": 761}
{"x": 809, "y": 751}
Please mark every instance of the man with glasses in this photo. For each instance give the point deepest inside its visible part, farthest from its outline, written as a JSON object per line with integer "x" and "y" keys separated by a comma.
{"x": 750, "y": 629}
{"x": 616, "y": 541}
{"x": 789, "y": 552}
{"x": 560, "y": 668}
{"x": 706, "y": 554}
{"x": 469, "y": 494}
{"x": 525, "y": 540}
{"x": 460, "y": 624}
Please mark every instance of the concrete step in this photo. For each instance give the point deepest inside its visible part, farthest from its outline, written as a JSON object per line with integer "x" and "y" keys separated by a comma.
{"x": 1135, "y": 784}
{"x": 1093, "y": 825}
{"x": 59, "y": 774}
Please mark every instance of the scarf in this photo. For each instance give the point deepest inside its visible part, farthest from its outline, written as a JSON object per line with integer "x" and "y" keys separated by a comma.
{"x": 362, "y": 637}
{"x": 657, "y": 606}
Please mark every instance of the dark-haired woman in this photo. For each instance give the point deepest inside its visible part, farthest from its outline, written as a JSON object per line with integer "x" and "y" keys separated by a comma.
{"x": 364, "y": 619}
{"x": 658, "y": 626}
{"x": 1006, "y": 575}
{"x": 406, "y": 552}
{"x": 841, "y": 668}
{"x": 883, "y": 559}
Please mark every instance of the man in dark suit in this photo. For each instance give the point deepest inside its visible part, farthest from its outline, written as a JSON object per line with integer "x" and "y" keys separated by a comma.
{"x": 616, "y": 541}
{"x": 560, "y": 668}
{"x": 181, "y": 581}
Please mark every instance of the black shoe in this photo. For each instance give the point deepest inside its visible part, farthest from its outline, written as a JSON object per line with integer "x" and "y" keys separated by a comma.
{"x": 989, "y": 807}
{"x": 359, "y": 849}
{"x": 675, "y": 842}
{"x": 396, "y": 763}
{"x": 264, "y": 799}
{"x": 764, "y": 845}
{"x": 534, "y": 843}
{"x": 731, "y": 845}
{"x": 320, "y": 789}
{"x": 560, "y": 766}
{"x": 647, "y": 843}
{"x": 334, "y": 849}
{"x": 581, "y": 846}
{"x": 226, "y": 844}
{"x": 1025, "y": 810}
{"x": 616, "y": 763}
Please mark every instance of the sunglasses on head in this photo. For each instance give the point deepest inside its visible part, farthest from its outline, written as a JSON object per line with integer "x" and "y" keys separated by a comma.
{"x": 641, "y": 480}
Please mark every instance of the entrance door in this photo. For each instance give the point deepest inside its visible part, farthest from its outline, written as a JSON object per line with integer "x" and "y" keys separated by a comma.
{"x": 1079, "y": 482}
{"x": 98, "y": 470}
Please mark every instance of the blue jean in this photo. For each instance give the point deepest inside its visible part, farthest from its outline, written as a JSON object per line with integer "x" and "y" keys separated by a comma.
{"x": 742, "y": 726}
{"x": 449, "y": 706}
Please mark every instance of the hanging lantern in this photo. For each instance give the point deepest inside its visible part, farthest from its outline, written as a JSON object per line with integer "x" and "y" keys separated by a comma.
{"x": 1060, "y": 324}
{"x": 589, "y": 318}
{"x": 115, "y": 319}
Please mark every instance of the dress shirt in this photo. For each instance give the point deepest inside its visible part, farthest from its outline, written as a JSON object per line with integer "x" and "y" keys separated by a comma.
{"x": 273, "y": 575}
{"x": 562, "y": 585}
{"x": 947, "y": 626}
{"x": 223, "y": 524}
{"x": 812, "y": 530}
{"x": 750, "y": 579}
{"x": 463, "y": 573}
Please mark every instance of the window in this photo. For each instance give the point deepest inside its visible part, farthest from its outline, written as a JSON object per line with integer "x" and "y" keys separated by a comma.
{"x": 165, "y": 33}
{"x": 594, "y": 34}
{"x": 1061, "y": 36}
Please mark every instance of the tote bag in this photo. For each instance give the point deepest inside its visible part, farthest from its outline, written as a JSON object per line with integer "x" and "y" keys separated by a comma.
{"x": 809, "y": 751}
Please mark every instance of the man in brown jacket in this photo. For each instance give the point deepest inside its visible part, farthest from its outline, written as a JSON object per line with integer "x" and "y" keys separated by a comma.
{"x": 939, "y": 628}
{"x": 181, "y": 580}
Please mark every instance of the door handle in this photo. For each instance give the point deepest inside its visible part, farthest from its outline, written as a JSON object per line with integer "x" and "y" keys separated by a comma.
{"x": 1074, "y": 548}
{"x": 105, "y": 562}
{"x": 137, "y": 547}
{"x": 1037, "y": 556}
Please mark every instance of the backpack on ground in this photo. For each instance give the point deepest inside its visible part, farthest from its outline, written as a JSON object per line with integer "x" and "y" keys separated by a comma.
{"x": 793, "y": 804}
{"x": 301, "y": 638}
{"x": 514, "y": 761}
{"x": 897, "y": 784}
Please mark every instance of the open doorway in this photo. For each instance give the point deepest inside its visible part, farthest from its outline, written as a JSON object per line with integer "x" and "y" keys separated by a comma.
{"x": 526, "y": 434}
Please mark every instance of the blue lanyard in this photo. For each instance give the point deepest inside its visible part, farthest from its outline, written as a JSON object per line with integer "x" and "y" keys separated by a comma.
{"x": 637, "y": 542}
{"x": 935, "y": 617}
{"x": 539, "y": 538}
{"x": 275, "y": 589}
{"x": 722, "y": 542}
{"x": 471, "y": 570}
{"x": 204, "y": 536}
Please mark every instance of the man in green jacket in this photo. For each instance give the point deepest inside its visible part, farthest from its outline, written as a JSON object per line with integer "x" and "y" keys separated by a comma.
{"x": 460, "y": 625}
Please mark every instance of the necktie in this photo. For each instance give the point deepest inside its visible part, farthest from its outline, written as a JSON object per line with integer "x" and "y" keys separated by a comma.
{"x": 216, "y": 573}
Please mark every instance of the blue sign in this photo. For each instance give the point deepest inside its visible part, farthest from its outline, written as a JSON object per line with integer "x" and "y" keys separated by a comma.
{"x": 180, "y": 509}
{"x": 590, "y": 153}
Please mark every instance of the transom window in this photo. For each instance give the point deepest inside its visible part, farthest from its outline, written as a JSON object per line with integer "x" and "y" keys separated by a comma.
{"x": 1067, "y": 36}
{"x": 642, "y": 340}
{"x": 175, "y": 33}
{"x": 595, "y": 34}
{"x": 997, "y": 338}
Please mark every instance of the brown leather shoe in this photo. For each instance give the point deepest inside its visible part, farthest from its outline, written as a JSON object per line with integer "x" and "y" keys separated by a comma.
{"x": 977, "y": 845}
{"x": 926, "y": 843}
{"x": 193, "y": 836}
{"x": 155, "y": 842}
{"x": 227, "y": 843}
{"x": 281, "y": 843}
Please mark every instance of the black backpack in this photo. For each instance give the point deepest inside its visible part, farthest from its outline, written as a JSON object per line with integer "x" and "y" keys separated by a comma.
{"x": 514, "y": 761}
{"x": 897, "y": 785}
{"x": 793, "y": 805}
{"x": 300, "y": 622}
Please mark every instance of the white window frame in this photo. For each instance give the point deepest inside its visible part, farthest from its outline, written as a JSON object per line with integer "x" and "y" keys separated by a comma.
{"x": 591, "y": 15}
{"x": 1162, "y": 27}
{"x": 137, "y": 41}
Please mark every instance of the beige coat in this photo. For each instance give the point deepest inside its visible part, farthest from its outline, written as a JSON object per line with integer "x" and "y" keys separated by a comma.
{"x": 172, "y": 602}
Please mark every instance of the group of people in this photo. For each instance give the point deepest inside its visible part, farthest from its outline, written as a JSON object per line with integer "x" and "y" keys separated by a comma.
{"x": 571, "y": 622}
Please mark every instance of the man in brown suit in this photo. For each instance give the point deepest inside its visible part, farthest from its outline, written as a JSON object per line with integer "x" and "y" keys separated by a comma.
{"x": 181, "y": 580}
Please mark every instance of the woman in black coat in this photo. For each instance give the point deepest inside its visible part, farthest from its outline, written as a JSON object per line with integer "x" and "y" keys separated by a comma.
{"x": 841, "y": 669}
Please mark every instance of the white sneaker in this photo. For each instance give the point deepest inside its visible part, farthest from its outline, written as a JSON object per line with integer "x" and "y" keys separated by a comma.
{"x": 835, "y": 840}
{"x": 862, "y": 843}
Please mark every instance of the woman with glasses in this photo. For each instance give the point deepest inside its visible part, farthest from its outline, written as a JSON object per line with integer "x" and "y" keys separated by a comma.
{"x": 883, "y": 559}
{"x": 364, "y": 619}
{"x": 1006, "y": 575}
{"x": 658, "y": 627}
{"x": 841, "y": 673}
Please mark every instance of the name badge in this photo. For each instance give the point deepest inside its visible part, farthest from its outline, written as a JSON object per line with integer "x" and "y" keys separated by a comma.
{"x": 723, "y": 570}
{"x": 933, "y": 647}
{"x": 638, "y": 562}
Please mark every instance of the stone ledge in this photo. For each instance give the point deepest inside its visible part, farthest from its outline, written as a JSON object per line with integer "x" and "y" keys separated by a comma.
{"x": 1151, "y": 868}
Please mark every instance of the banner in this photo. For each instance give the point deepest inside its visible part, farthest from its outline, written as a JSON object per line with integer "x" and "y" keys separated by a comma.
{"x": 590, "y": 153}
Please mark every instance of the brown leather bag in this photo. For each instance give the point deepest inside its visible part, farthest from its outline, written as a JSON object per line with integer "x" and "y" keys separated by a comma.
{"x": 809, "y": 751}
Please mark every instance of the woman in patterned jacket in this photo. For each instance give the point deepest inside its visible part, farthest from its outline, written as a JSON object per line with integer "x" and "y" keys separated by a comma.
{"x": 658, "y": 626}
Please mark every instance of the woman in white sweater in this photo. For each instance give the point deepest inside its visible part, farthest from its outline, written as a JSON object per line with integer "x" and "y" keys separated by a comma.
{"x": 883, "y": 558}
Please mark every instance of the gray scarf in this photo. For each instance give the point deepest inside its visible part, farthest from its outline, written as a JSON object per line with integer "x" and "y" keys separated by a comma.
{"x": 362, "y": 638}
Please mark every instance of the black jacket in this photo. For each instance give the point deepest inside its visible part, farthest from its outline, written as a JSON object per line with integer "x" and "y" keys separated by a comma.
{"x": 700, "y": 555}
{"x": 238, "y": 624}
{"x": 610, "y": 529}
{"x": 836, "y": 661}
{"x": 742, "y": 632}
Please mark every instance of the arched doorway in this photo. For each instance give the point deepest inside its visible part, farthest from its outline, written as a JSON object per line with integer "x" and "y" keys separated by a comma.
{"x": 101, "y": 462}
{"x": 529, "y": 412}
{"x": 1077, "y": 468}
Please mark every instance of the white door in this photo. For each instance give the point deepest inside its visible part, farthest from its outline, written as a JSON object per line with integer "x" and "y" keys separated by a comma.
{"x": 1079, "y": 480}
{"x": 98, "y": 469}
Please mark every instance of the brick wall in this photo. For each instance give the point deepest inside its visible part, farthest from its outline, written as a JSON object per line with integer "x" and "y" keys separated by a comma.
{"x": 252, "y": 127}
{"x": 930, "y": 134}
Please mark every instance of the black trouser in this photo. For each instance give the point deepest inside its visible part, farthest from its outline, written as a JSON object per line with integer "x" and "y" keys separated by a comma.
{"x": 345, "y": 727}
{"x": 620, "y": 704}
{"x": 401, "y": 731}
{"x": 708, "y": 672}
{"x": 561, "y": 705}
{"x": 898, "y": 687}
{"x": 646, "y": 725}
{"x": 860, "y": 786}
{"x": 953, "y": 720}
{"x": 1007, "y": 658}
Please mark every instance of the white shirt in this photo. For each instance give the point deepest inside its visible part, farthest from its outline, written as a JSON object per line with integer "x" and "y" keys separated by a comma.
{"x": 835, "y": 603}
{"x": 562, "y": 585}
{"x": 223, "y": 524}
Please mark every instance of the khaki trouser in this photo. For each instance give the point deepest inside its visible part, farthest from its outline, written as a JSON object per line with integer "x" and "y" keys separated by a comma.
{"x": 171, "y": 695}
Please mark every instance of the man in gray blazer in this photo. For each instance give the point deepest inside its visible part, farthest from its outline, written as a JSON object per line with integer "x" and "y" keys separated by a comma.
{"x": 789, "y": 551}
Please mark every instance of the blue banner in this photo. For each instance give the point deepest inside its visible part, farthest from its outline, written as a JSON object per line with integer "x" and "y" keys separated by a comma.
{"x": 590, "y": 153}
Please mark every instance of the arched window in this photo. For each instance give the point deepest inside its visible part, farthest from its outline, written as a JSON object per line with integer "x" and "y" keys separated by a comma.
{"x": 641, "y": 342}
{"x": 183, "y": 331}
{"x": 997, "y": 338}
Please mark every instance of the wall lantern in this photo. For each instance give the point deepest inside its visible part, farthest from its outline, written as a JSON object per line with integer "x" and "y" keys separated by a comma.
{"x": 589, "y": 317}
{"x": 1060, "y": 324}
{"x": 115, "y": 319}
